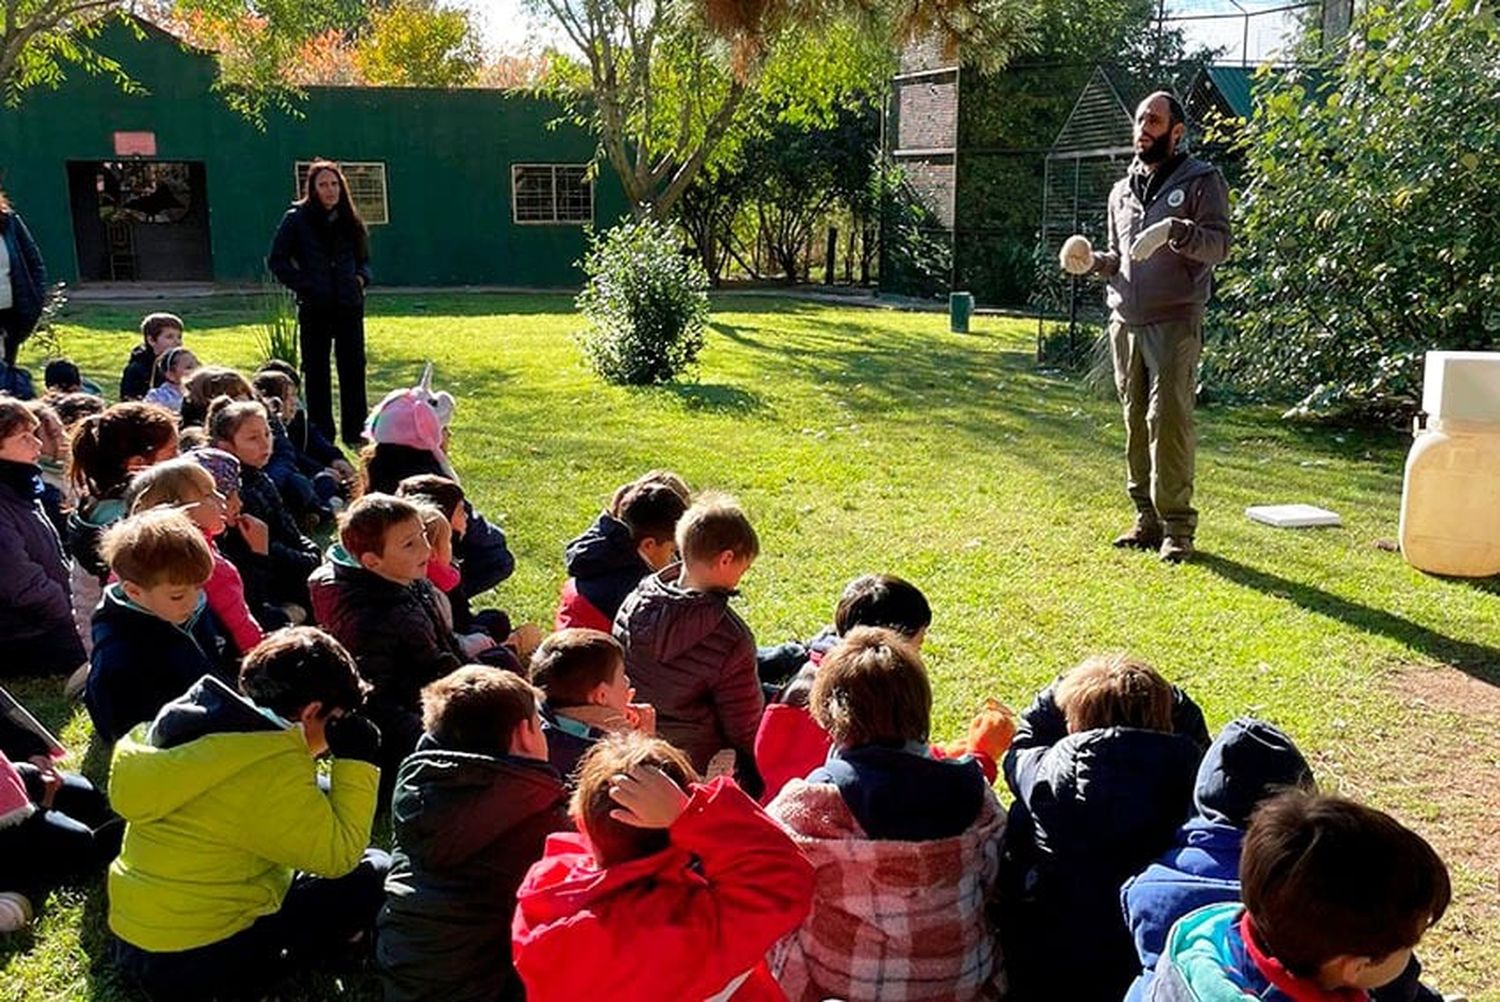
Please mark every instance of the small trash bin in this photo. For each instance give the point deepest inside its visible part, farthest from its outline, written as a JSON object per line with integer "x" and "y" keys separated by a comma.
{"x": 960, "y": 309}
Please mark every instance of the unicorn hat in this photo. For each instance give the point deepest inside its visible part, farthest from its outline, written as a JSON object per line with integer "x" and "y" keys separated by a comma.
{"x": 414, "y": 418}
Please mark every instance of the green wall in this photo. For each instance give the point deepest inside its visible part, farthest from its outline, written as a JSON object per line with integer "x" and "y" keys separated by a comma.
{"x": 447, "y": 153}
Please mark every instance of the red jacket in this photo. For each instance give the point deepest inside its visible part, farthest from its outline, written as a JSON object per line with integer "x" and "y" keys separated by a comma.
{"x": 575, "y": 610}
{"x": 789, "y": 745}
{"x": 692, "y": 922}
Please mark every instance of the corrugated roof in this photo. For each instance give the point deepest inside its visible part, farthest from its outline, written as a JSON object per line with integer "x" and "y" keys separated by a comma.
{"x": 1234, "y": 86}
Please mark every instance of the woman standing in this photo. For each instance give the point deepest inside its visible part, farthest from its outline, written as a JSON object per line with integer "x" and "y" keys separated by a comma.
{"x": 23, "y": 286}
{"x": 322, "y": 253}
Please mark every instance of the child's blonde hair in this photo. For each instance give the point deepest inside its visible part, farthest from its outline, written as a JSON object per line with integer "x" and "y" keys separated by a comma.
{"x": 15, "y": 417}
{"x": 713, "y": 524}
{"x": 157, "y": 547}
{"x": 175, "y": 482}
{"x": 1115, "y": 690}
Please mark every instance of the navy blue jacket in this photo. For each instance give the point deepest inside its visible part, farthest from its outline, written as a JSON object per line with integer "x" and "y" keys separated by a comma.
{"x": 36, "y": 607}
{"x": 604, "y": 564}
{"x": 283, "y": 463}
{"x": 1249, "y": 761}
{"x": 291, "y": 552}
{"x": 315, "y": 452}
{"x": 141, "y": 662}
{"x": 140, "y": 375}
{"x": 903, "y": 794}
{"x": 565, "y": 746}
{"x": 28, "y": 275}
{"x": 1090, "y": 810}
{"x": 320, "y": 262}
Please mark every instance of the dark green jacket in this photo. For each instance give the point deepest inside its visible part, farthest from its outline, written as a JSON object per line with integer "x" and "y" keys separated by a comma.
{"x": 467, "y": 828}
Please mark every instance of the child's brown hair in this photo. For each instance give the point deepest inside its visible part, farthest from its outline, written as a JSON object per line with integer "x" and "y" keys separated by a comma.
{"x": 298, "y": 666}
{"x": 1324, "y": 877}
{"x": 872, "y": 688}
{"x": 713, "y": 524}
{"x": 103, "y": 445}
{"x": 157, "y": 547}
{"x": 364, "y": 524}
{"x": 574, "y": 662}
{"x": 15, "y": 417}
{"x": 1115, "y": 690}
{"x": 652, "y": 510}
{"x": 476, "y": 708}
{"x": 443, "y": 494}
{"x": 206, "y": 385}
{"x": 74, "y": 407}
{"x": 614, "y": 841}
{"x": 225, "y": 417}
{"x": 665, "y": 478}
{"x": 153, "y": 324}
{"x": 175, "y": 482}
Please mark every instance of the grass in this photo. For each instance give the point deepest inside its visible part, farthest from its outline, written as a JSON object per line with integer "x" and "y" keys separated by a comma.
{"x": 865, "y": 440}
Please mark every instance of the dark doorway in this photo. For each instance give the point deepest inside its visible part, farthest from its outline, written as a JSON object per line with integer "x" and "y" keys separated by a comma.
{"x": 140, "y": 221}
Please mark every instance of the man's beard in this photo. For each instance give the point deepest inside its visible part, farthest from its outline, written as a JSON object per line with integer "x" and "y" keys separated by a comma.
{"x": 1159, "y": 150}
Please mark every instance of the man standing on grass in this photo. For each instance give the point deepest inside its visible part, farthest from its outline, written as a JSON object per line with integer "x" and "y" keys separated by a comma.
{"x": 1168, "y": 227}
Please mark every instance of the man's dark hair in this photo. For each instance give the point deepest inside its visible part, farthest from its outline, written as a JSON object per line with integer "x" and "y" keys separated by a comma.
{"x": 872, "y": 689}
{"x": 477, "y": 708}
{"x": 300, "y": 665}
{"x": 652, "y": 510}
{"x": 443, "y": 494}
{"x": 572, "y": 663}
{"x": 882, "y": 600}
{"x": 1324, "y": 877}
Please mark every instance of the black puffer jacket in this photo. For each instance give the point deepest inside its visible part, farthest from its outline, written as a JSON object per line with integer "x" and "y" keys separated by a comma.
{"x": 36, "y": 609}
{"x": 693, "y": 658}
{"x": 467, "y": 829}
{"x": 320, "y": 261}
{"x": 290, "y": 551}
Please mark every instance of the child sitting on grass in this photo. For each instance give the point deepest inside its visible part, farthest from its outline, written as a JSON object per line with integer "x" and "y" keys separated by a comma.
{"x": 588, "y": 695}
{"x": 242, "y": 429}
{"x": 160, "y": 332}
{"x": 187, "y": 484}
{"x": 207, "y": 384}
{"x": 1249, "y": 762}
{"x": 317, "y": 457}
{"x": 905, "y": 846}
{"x": 153, "y": 635}
{"x": 55, "y": 827}
{"x": 636, "y": 537}
{"x": 239, "y": 862}
{"x": 690, "y": 655}
{"x": 373, "y": 595}
{"x": 36, "y": 604}
{"x": 58, "y": 497}
{"x": 173, "y": 368}
{"x": 310, "y": 499}
{"x": 671, "y": 890}
{"x": 1337, "y": 896}
{"x": 473, "y": 807}
{"x": 1102, "y": 771}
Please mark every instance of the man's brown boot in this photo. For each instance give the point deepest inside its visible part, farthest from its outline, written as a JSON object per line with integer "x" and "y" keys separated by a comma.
{"x": 1177, "y": 549}
{"x": 1144, "y": 535}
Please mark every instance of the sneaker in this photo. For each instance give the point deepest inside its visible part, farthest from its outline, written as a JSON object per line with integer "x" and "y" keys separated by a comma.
{"x": 15, "y": 911}
{"x": 73, "y": 688}
{"x": 1144, "y": 535}
{"x": 1177, "y": 549}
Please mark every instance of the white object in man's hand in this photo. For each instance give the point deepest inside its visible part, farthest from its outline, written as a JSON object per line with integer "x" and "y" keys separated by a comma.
{"x": 1150, "y": 240}
{"x": 1077, "y": 256}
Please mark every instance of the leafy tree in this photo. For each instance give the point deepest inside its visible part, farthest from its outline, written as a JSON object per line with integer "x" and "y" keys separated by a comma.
{"x": 711, "y": 54}
{"x": 39, "y": 39}
{"x": 1369, "y": 230}
{"x": 418, "y": 43}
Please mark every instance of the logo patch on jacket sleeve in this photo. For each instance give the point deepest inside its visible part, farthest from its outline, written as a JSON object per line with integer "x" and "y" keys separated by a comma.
{"x": 1175, "y": 197}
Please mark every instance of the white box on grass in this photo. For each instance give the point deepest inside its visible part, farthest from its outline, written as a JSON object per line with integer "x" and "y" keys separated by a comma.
{"x": 1292, "y": 516}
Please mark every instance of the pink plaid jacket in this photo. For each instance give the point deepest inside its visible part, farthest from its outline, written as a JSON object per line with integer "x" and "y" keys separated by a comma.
{"x": 891, "y": 921}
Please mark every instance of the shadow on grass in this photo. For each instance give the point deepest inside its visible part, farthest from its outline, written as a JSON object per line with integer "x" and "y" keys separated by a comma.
{"x": 1478, "y": 660}
{"x": 718, "y": 398}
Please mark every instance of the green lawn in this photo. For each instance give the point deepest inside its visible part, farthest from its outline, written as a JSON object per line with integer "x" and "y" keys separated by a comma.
{"x": 864, "y": 440}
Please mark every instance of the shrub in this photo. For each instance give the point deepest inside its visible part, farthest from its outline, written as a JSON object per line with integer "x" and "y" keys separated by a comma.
{"x": 1366, "y": 235}
{"x": 646, "y": 304}
{"x": 277, "y": 336}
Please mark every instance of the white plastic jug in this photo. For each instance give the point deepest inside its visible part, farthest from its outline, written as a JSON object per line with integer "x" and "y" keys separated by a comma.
{"x": 1450, "y": 502}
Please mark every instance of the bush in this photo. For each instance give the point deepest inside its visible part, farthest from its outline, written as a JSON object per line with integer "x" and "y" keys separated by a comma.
{"x": 1366, "y": 235}
{"x": 277, "y": 336}
{"x": 646, "y": 304}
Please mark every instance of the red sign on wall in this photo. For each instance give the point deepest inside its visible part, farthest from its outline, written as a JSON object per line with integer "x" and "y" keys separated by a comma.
{"x": 135, "y": 144}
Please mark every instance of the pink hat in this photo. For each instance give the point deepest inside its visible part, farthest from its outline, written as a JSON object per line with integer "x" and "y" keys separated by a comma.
{"x": 414, "y": 418}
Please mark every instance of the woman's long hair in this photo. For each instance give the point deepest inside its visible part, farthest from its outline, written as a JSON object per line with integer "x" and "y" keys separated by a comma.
{"x": 349, "y": 218}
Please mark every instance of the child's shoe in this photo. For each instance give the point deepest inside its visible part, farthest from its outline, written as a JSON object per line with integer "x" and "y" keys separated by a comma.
{"x": 15, "y": 911}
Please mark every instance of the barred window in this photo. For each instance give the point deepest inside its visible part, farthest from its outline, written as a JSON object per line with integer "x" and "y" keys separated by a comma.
{"x": 552, "y": 193}
{"x": 366, "y": 187}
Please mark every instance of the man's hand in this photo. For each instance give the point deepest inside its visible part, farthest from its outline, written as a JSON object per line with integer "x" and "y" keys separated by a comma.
{"x": 1077, "y": 255}
{"x": 647, "y": 797}
{"x": 1150, "y": 240}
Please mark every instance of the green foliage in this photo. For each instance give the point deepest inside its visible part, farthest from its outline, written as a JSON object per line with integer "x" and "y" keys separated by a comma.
{"x": 646, "y": 304}
{"x": 276, "y": 336}
{"x": 1368, "y": 232}
{"x": 916, "y": 253}
{"x": 41, "y": 39}
{"x": 418, "y": 43}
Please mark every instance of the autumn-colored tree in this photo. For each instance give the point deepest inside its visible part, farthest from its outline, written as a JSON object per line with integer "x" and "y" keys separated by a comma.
{"x": 419, "y": 43}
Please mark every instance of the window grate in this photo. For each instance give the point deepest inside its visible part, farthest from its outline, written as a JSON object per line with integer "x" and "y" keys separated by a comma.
{"x": 551, "y": 194}
{"x": 367, "y": 189}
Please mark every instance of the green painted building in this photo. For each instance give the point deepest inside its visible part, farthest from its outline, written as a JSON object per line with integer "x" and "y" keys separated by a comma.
{"x": 460, "y": 187}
